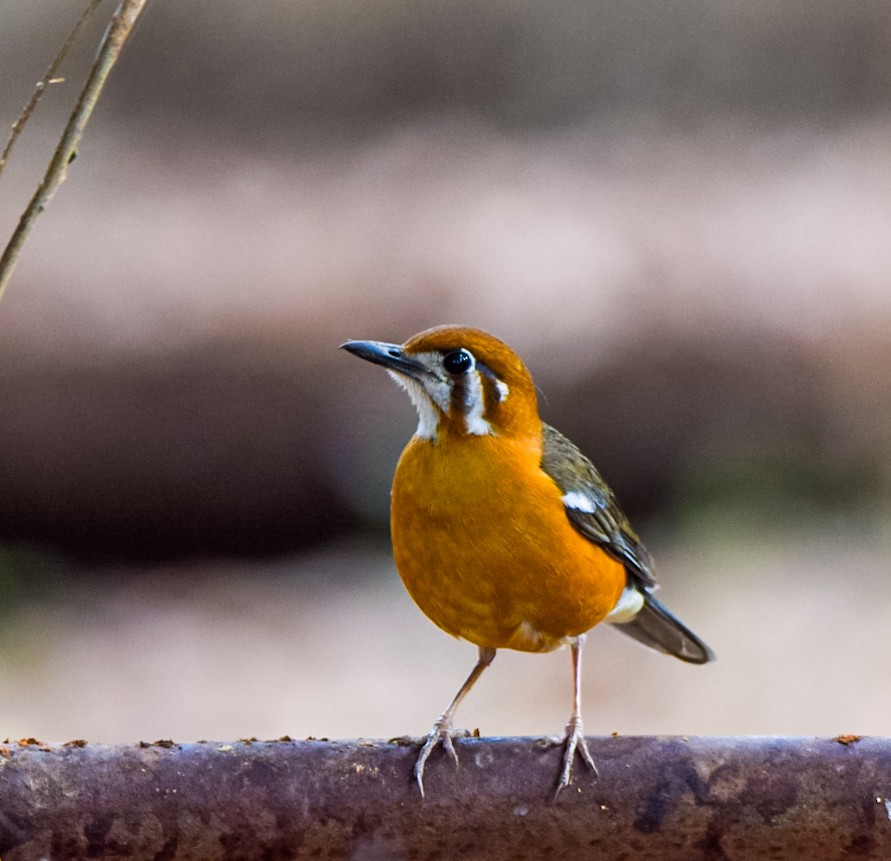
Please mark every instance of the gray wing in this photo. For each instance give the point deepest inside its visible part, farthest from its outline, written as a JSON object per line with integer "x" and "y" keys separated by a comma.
{"x": 593, "y": 510}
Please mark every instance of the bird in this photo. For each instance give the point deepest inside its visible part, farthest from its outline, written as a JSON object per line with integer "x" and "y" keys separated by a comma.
{"x": 504, "y": 534}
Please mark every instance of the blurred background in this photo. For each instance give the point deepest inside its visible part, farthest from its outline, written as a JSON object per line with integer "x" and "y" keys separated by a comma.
{"x": 678, "y": 213}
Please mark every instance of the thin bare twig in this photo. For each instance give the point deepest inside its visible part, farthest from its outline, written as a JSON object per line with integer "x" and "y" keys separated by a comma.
{"x": 45, "y": 81}
{"x": 122, "y": 23}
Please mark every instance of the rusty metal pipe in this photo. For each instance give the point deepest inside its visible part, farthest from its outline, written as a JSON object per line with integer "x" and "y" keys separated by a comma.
{"x": 666, "y": 798}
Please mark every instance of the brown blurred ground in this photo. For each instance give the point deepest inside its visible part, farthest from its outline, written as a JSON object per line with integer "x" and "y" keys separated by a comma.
{"x": 679, "y": 217}
{"x": 330, "y": 645}
{"x": 717, "y": 320}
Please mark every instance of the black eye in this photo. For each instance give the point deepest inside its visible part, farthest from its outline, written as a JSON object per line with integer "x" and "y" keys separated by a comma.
{"x": 457, "y": 363}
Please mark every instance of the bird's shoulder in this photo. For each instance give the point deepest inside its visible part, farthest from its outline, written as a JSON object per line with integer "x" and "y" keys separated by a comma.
{"x": 591, "y": 506}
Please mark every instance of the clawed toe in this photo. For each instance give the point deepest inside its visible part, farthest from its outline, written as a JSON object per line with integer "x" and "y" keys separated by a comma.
{"x": 575, "y": 743}
{"x": 440, "y": 733}
{"x": 442, "y": 729}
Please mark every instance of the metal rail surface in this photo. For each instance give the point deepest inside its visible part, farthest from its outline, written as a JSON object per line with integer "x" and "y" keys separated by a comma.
{"x": 656, "y": 798}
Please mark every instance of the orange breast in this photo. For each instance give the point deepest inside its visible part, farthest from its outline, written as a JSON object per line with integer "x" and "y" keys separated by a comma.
{"x": 485, "y": 549}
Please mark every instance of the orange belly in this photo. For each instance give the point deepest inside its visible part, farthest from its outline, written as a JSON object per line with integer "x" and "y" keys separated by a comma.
{"x": 485, "y": 549}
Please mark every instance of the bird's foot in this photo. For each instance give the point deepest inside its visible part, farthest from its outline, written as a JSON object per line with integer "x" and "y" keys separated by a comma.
{"x": 441, "y": 732}
{"x": 574, "y": 741}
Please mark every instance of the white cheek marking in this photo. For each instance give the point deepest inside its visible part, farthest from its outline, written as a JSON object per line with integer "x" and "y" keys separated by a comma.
{"x": 579, "y": 501}
{"x": 627, "y": 607}
{"x": 476, "y": 407}
{"x": 478, "y": 426}
{"x": 428, "y": 415}
{"x": 503, "y": 390}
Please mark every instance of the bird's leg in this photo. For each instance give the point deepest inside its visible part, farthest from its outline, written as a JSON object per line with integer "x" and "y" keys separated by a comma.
{"x": 575, "y": 733}
{"x": 442, "y": 729}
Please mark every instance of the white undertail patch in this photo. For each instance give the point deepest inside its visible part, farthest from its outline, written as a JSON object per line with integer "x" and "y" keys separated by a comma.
{"x": 627, "y": 607}
{"x": 528, "y": 638}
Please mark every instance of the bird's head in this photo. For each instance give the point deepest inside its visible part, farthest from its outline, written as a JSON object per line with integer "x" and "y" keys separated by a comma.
{"x": 463, "y": 382}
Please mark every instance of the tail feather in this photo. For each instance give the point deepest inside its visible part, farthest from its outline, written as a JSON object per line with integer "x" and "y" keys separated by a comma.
{"x": 655, "y": 626}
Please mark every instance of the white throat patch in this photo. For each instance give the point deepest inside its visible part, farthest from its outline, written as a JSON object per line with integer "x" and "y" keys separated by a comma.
{"x": 428, "y": 415}
{"x": 433, "y": 398}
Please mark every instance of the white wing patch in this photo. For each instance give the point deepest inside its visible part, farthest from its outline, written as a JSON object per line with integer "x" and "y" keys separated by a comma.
{"x": 579, "y": 501}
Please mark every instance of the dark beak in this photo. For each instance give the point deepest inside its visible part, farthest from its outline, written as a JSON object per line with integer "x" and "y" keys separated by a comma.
{"x": 391, "y": 356}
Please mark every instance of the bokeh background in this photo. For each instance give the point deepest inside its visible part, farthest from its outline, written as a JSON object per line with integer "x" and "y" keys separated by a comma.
{"x": 678, "y": 213}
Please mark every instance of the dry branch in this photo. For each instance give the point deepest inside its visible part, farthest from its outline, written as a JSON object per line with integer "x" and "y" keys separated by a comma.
{"x": 670, "y": 799}
{"x": 49, "y": 76}
{"x": 122, "y": 23}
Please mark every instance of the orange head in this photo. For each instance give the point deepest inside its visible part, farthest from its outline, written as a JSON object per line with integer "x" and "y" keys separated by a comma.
{"x": 463, "y": 382}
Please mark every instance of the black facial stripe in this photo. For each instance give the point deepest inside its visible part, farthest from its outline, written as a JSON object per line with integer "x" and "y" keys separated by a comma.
{"x": 486, "y": 371}
{"x": 459, "y": 394}
{"x": 492, "y": 396}
{"x": 465, "y": 387}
